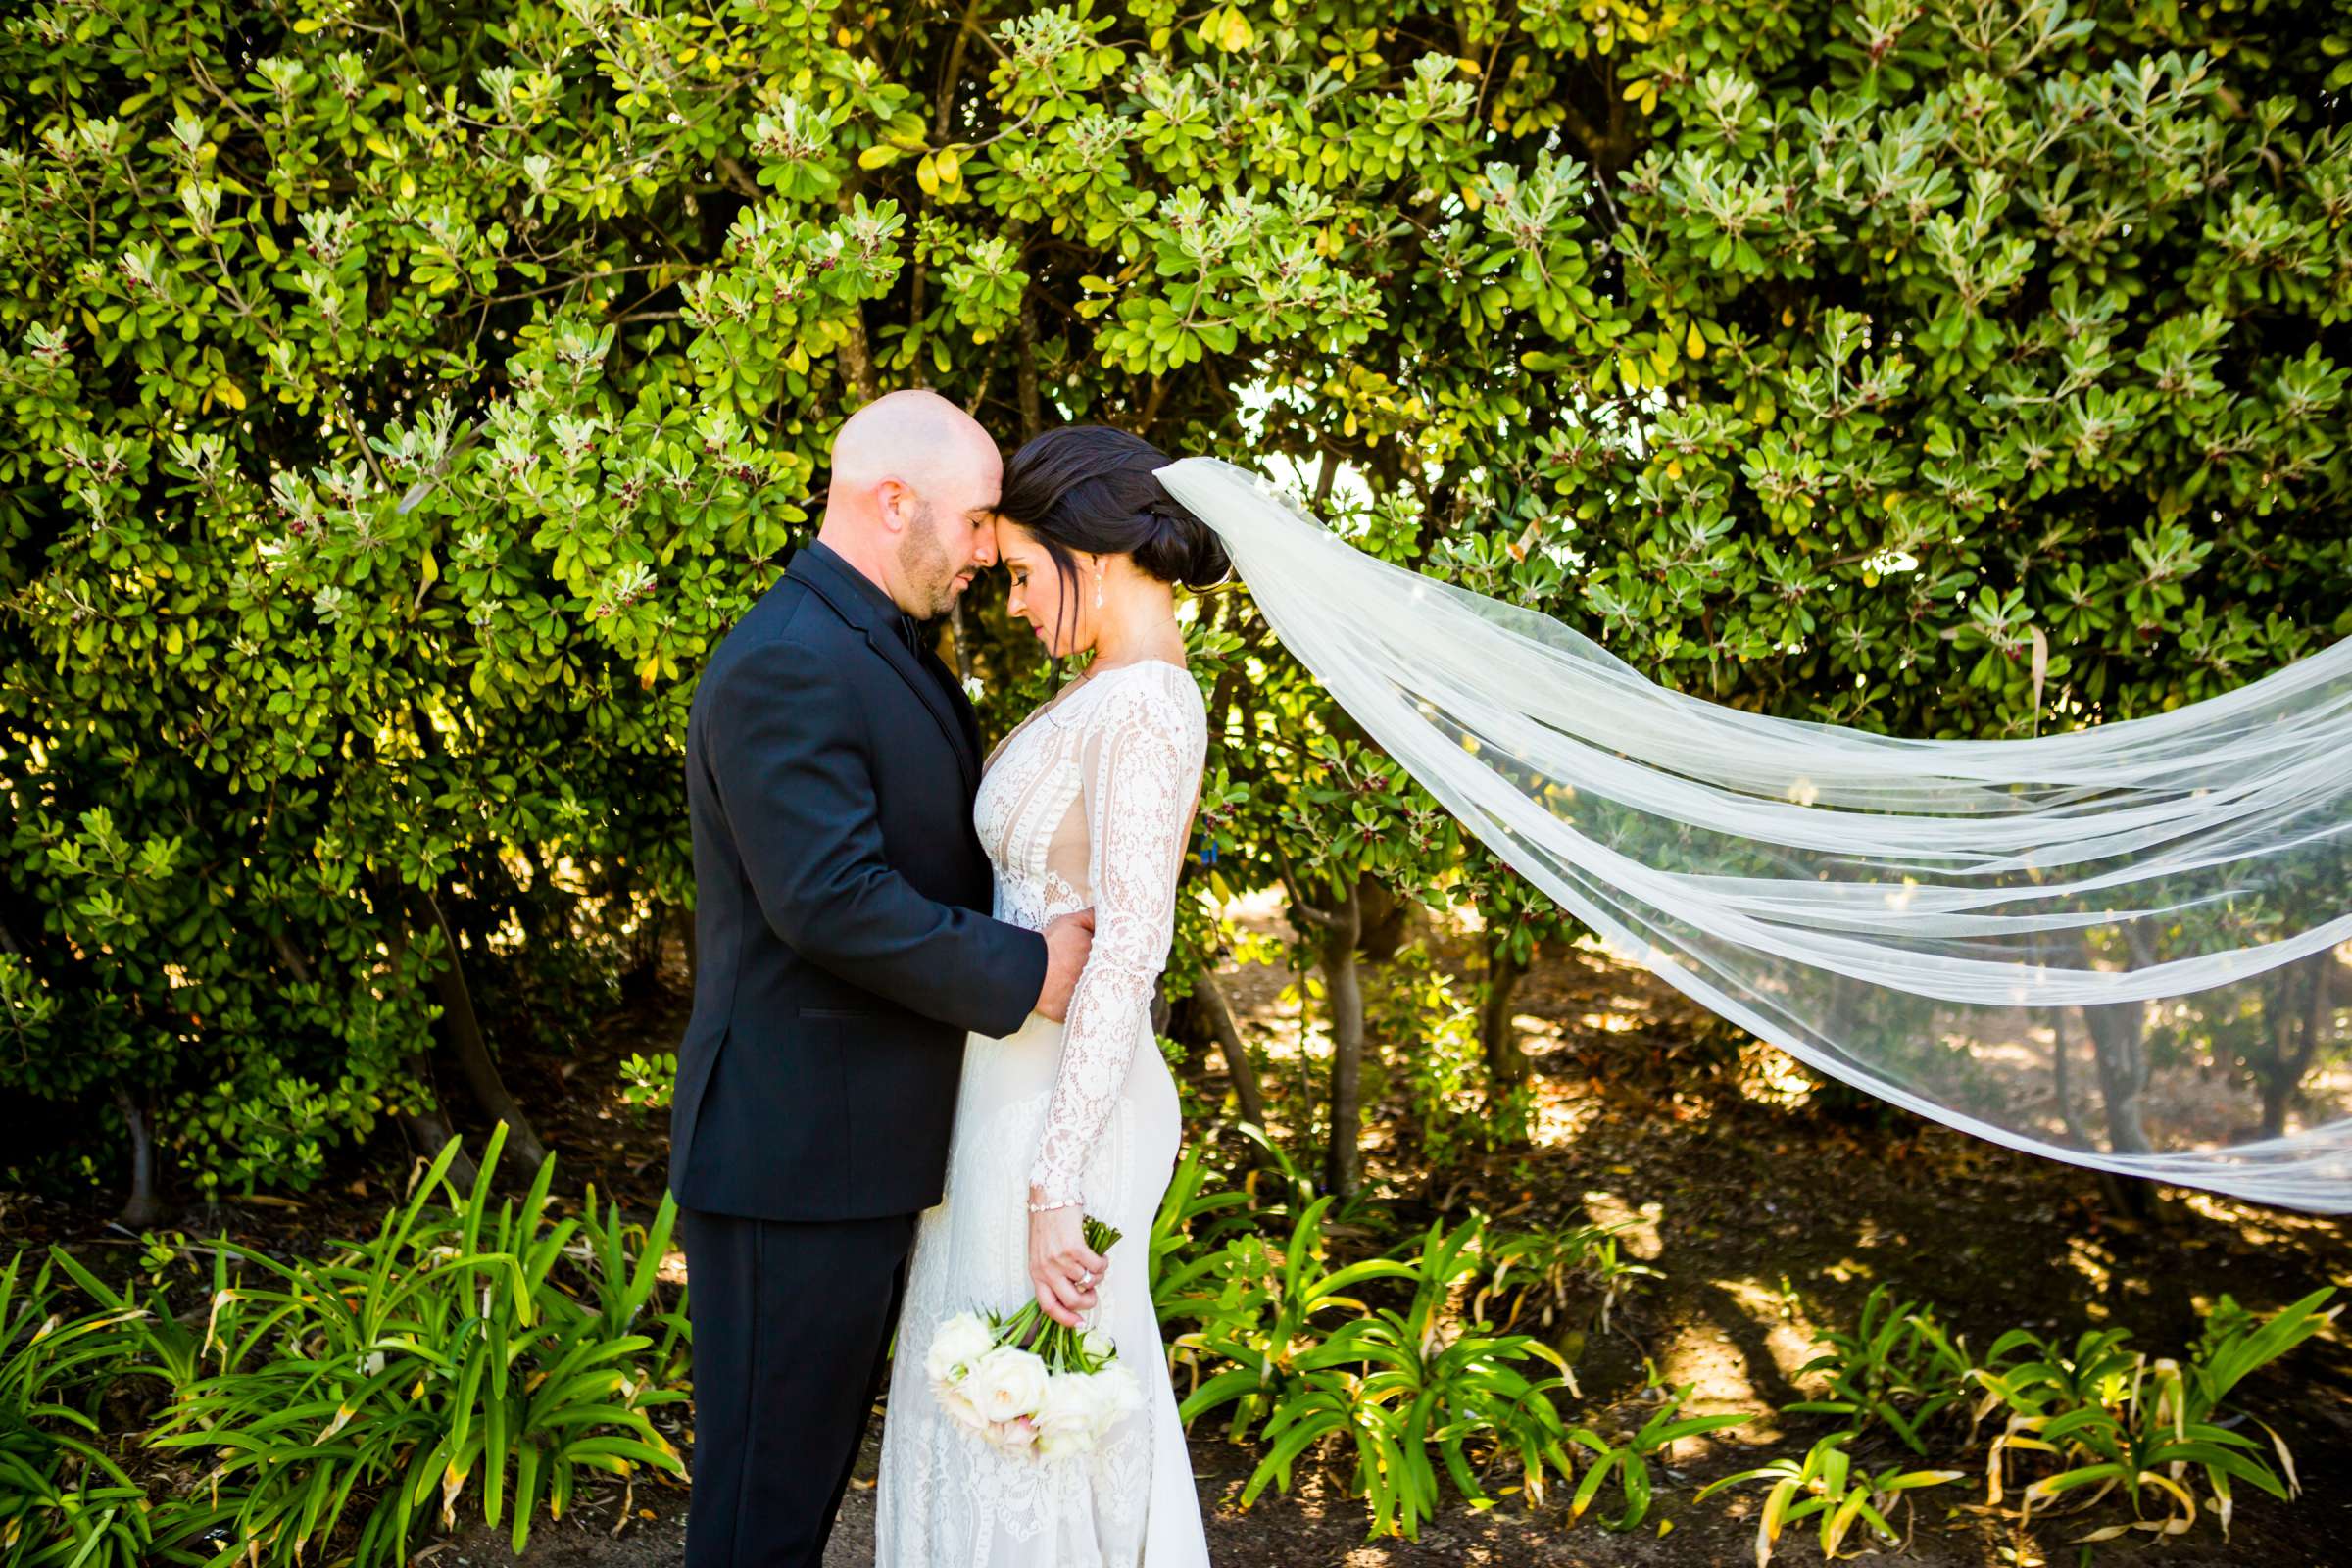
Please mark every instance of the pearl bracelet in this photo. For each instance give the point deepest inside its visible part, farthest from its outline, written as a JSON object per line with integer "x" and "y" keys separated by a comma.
{"x": 1040, "y": 1208}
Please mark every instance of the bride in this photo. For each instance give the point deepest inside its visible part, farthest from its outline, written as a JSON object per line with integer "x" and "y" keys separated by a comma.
{"x": 1088, "y": 802}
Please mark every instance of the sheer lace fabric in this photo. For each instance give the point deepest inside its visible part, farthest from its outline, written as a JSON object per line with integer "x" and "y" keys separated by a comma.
{"x": 1091, "y": 810}
{"x": 1087, "y": 805}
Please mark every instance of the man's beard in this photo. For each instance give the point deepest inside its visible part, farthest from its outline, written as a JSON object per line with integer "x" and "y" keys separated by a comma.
{"x": 926, "y": 570}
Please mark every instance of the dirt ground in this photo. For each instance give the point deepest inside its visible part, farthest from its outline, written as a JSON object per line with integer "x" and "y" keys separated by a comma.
{"x": 1768, "y": 1218}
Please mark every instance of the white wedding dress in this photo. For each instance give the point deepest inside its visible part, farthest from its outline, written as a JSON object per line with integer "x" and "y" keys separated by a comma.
{"x": 1087, "y": 804}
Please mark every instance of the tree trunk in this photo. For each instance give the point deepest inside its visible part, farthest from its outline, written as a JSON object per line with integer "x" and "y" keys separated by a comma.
{"x": 1506, "y": 1064}
{"x": 1025, "y": 388}
{"x": 643, "y": 976}
{"x": 2301, "y": 1015}
{"x": 2121, "y": 1055}
{"x": 290, "y": 955}
{"x": 2062, "y": 1082}
{"x": 431, "y": 1131}
{"x": 1344, "y": 1161}
{"x": 542, "y": 887}
{"x": 429, "y": 1128}
{"x": 471, "y": 1050}
{"x": 857, "y": 360}
{"x": 2116, "y": 1031}
{"x": 143, "y": 1210}
{"x": 2278, "y": 1077}
{"x": 1384, "y": 917}
{"x": 529, "y": 908}
{"x": 1246, "y": 1089}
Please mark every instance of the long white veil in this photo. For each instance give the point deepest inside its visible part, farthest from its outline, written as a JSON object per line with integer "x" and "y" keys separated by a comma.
{"x": 2085, "y": 945}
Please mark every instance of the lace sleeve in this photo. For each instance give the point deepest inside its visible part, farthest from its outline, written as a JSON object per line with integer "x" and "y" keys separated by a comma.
{"x": 1143, "y": 764}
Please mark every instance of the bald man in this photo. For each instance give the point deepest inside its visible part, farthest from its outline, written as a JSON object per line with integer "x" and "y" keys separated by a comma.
{"x": 844, "y": 950}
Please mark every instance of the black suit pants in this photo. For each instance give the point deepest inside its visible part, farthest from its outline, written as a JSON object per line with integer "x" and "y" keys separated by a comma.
{"x": 792, "y": 1321}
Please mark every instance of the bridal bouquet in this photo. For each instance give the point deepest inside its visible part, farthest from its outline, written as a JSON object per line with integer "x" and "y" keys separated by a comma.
{"x": 1029, "y": 1385}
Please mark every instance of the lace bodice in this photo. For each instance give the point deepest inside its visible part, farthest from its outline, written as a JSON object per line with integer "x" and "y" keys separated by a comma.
{"x": 1088, "y": 802}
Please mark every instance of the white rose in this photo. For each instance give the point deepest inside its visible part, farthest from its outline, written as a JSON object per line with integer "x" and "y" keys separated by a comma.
{"x": 1096, "y": 1347}
{"x": 1070, "y": 1417}
{"x": 1117, "y": 1395}
{"x": 1017, "y": 1436}
{"x": 960, "y": 1406}
{"x": 1007, "y": 1384}
{"x": 960, "y": 1342}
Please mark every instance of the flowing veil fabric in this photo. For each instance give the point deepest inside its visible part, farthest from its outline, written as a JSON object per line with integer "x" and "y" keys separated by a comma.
{"x": 2082, "y": 945}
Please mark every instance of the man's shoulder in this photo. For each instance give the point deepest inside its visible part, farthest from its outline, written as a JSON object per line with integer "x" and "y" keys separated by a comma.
{"x": 789, "y": 638}
{"x": 791, "y": 615}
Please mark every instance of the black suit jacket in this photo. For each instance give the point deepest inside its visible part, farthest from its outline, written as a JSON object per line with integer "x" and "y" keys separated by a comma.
{"x": 840, "y": 897}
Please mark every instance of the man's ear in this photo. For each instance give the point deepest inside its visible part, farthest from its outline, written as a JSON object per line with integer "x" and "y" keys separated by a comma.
{"x": 895, "y": 502}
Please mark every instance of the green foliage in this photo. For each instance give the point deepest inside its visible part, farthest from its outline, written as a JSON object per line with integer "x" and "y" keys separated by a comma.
{"x": 1626, "y": 1461}
{"x": 437, "y": 1355}
{"x": 646, "y": 1082}
{"x": 1896, "y": 1367}
{"x": 2112, "y": 1419}
{"x": 1408, "y": 1390}
{"x": 63, "y": 1501}
{"x": 1187, "y": 1229}
{"x": 2077, "y": 1422}
{"x": 1389, "y": 1370}
{"x": 481, "y": 1350}
{"x": 1543, "y": 1273}
{"x": 1825, "y": 1485}
{"x": 393, "y": 430}
{"x": 1432, "y": 1031}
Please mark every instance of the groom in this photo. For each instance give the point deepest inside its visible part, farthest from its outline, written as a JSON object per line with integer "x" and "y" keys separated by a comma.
{"x": 843, "y": 952}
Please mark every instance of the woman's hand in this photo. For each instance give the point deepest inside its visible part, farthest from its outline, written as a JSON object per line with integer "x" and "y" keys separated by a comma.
{"x": 1063, "y": 1269}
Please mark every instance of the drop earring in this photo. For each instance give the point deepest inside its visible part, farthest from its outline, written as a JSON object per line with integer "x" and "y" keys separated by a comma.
{"x": 1098, "y": 585}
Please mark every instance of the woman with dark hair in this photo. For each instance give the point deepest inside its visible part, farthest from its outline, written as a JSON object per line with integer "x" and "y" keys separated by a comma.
{"x": 1088, "y": 803}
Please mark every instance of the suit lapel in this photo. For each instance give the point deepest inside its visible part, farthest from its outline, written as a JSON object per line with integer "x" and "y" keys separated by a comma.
{"x": 963, "y": 707}
{"x": 822, "y": 578}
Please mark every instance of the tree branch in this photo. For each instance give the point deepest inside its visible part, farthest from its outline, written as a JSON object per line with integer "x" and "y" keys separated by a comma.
{"x": 1246, "y": 1089}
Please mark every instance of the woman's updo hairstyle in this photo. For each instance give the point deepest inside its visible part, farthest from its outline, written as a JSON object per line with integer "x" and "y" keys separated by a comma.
{"x": 1090, "y": 487}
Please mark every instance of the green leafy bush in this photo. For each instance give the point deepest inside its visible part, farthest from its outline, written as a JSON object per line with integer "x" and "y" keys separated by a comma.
{"x": 484, "y": 1353}
{"x": 2075, "y": 1423}
{"x": 1455, "y": 1107}
{"x": 1896, "y": 1369}
{"x": 1544, "y": 1273}
{"x": 62, "y": 1499}
{"x": 1627, "y": 1460}
{"x": 2111, "y": 1419}
{"x": 436, "y": 1360}
{"x": 1302, "y": 1363}
{"x": 647, "y": 1081}
{"x": 1825, "y": 1485}
{"x": 392, "y": 432}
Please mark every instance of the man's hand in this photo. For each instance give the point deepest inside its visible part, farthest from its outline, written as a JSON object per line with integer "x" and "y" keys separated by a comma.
{"x": 1070, "y": 937}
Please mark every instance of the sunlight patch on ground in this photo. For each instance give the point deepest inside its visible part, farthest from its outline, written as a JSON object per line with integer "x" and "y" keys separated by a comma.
{"x": 1788, "y": 1333}
{"x": 1559, "y": 1121}
{"x": 2090, "y": 1260}
{"x": 1639, "y": 1239}
{"x": 1705, "y": 1357}
{"x": 1772, "y": 1077}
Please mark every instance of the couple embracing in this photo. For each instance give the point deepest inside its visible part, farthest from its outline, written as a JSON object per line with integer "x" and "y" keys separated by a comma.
{"x": 921, "y": 1050}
